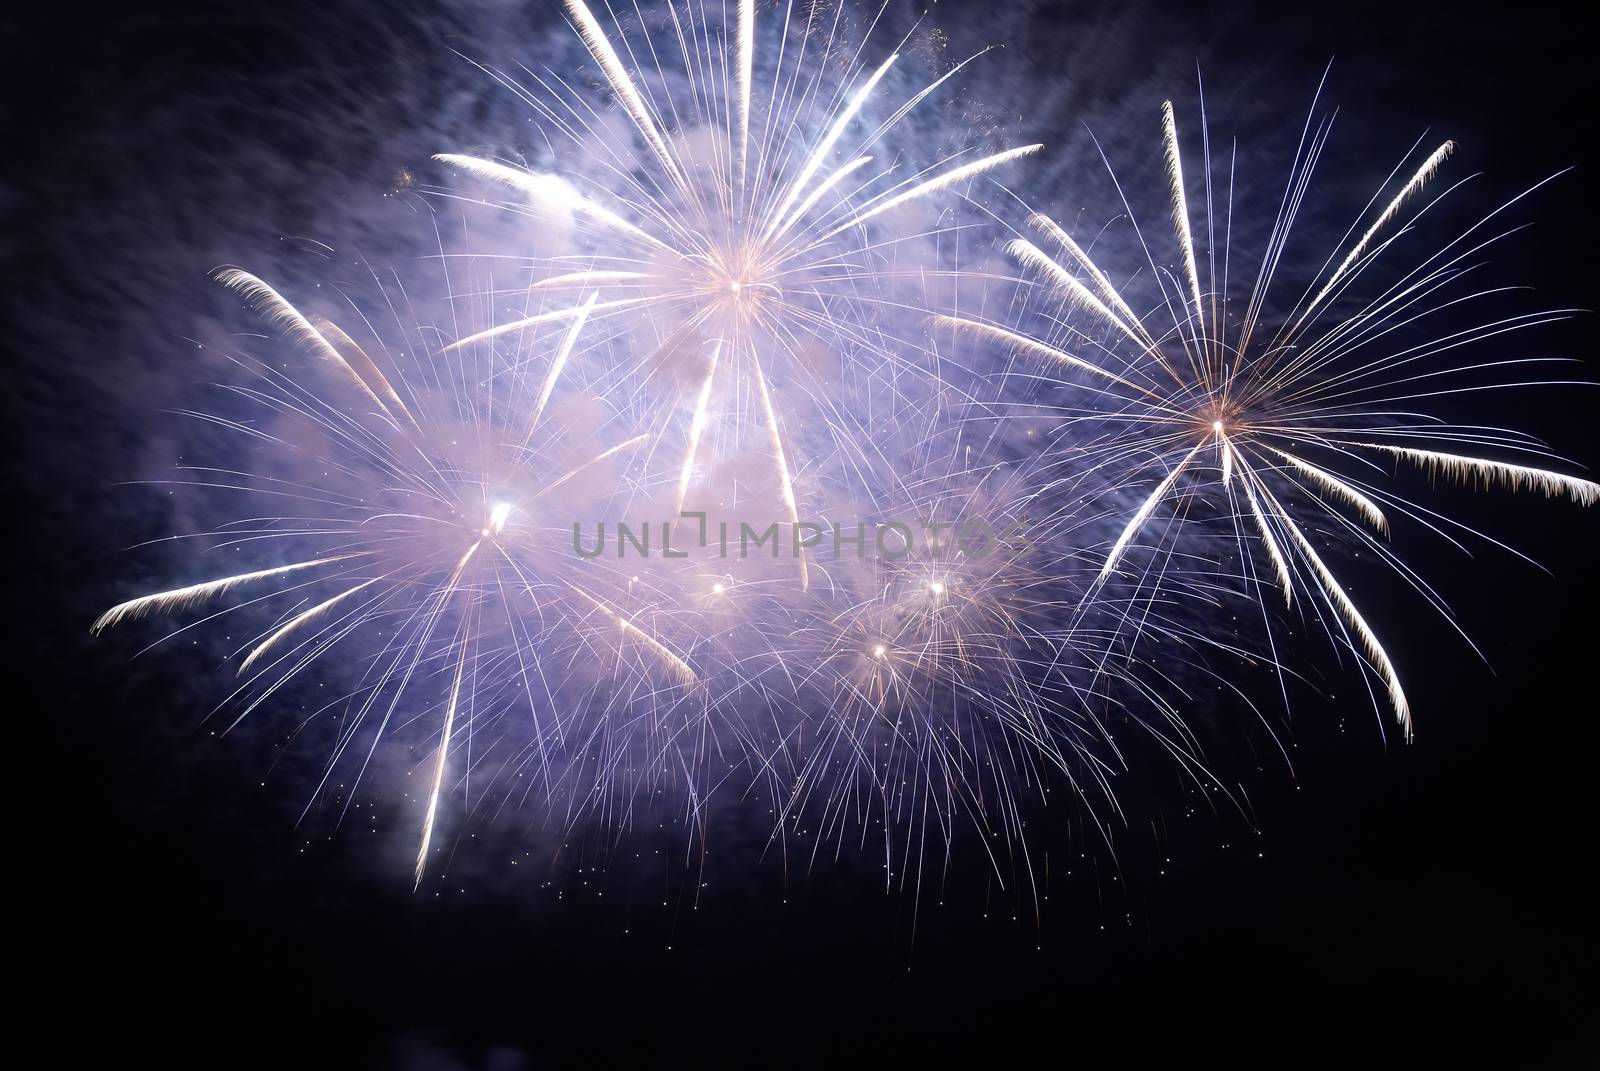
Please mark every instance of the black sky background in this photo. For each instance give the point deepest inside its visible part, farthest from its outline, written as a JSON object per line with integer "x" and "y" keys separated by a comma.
{"x": 1400, "y": 903}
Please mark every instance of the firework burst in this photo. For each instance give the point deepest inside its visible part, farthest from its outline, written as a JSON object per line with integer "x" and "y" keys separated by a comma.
{"x": 741, "y": 216}
{"x": 1286, "y": 416}
{"x": 424, "y": 548}
{"x": 723, "y": 316}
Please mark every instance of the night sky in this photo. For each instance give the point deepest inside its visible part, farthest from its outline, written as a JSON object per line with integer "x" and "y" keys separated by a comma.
{"x": 1393, "y": 903}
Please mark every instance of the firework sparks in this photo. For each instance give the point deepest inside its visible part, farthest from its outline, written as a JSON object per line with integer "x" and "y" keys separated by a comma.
{"x": 751, "y": 244}
{"x": 1193, "y": 385}
{"x": 727, "y": 323}
{"x": 443, "y": 554}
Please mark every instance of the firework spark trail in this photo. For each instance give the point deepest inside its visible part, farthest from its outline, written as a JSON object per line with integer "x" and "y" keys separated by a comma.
{"x": 679, "y": 667}
{"x": 1511, "y": 477}
{"x": 449, "y": 724}
{"x": 697, "y": 426}
{"x": 180, "y": 598}
{"x": 1137, "y": 522}
{"x": 302, "y": 619}
{"x": 1180, "y": 220}
{"x": 786, "y": 483}
{"x": 1429, "y": 168}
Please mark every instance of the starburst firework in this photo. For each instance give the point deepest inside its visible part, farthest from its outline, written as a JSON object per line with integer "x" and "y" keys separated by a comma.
{"x": 1272, "y": 413}
{"x": 726, "y": 306}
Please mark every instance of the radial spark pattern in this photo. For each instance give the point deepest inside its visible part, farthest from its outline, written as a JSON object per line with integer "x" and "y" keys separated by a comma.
{"x": 724, "y": 488}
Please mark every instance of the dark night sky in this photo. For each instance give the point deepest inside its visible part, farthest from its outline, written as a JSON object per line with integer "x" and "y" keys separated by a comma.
{"x": 1405, "y": 902}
